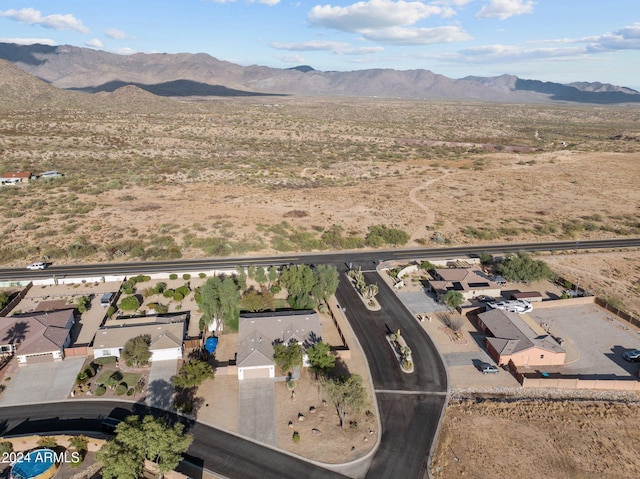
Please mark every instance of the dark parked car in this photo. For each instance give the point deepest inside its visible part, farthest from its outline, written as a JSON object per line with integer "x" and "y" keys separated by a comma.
{"x": 632, "y": 356}
{"x": 486, "y": 368}
{"x": 483, "y": 298}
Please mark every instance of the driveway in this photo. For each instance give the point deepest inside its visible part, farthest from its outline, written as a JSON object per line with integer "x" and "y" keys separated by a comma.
{"x": 257, "y": 410}
{"x": 44, "y": 382}
{"x": 160, "y": 390}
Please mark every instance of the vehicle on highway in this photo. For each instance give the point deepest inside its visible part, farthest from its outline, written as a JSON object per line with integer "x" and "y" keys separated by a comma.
{"x": 486, "y": 368}
{"x": 632, "y": 356}
{"x": 518, "y": 306}
{"x": 36, "y": 266}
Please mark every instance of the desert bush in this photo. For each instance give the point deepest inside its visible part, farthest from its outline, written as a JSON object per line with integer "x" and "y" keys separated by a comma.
{"x": 121, "y": 389}
{"x": 6, "y": 447}
{"x": 111, "y": 310}
{"x": 168, "y": 293}
{"x": 296, "y": 437}
{"x": 178, "y": 296}
{"x": 130, "y": 303}
{"x": 173, "y": 276}
{"x": 186, "y": 276}
{"x": 100, "y": 390}
{"x": 202, "y": 275}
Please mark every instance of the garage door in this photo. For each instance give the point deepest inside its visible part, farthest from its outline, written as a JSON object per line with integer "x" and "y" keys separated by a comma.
{"x": 165, "y": 354}
{"x": 40, "y": 358}
{"x": 255, "y": 373}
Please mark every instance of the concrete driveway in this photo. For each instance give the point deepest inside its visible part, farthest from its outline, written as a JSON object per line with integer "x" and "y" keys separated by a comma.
{"x": 257, "y": 410}
{"x": 160, "y": 391}
{"x": 38, "y": 383}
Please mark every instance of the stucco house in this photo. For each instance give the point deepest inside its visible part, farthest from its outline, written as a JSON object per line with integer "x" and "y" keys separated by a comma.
{"x": 469, "y": 283}
{"x": 518, "y": 338}
{"x": 166, "y": 334}
{"x": 259, "y": 332}
{"x": 36, "y": 337}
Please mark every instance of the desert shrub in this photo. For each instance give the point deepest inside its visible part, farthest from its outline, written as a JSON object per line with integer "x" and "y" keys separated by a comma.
{"x": 168, "y": 293}
{"x": 173, "y": 276}
{"x": 82, "y": 304}
{"x": 183, "y": 290}
{"x": 380, "y": 235}
{"x": 186, "y": 276}
{"x": 130, "y": 303}
{"x": 121, "y": 389}
{"x": 130, "y": 392}
{"x": 82, "y": 377}
{"x": 296, "y": 437}
{"x": 127, "y": 287}
{"x": 6, "y": 447}
{"x": 105, "y": 360}
{"x": 48, "y": 442}
{"x": 202, "y": 275}
{"x": 178, "y": 296}
{"x": 111, "y": 310}
{"x": 100, "y": 390}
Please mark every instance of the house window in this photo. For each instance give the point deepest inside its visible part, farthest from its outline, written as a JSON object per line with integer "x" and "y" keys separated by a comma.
{"x": 106, "y": 352}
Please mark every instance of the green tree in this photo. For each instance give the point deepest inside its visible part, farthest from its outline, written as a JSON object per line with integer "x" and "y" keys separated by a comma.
{"x": 230, "y": 303}
{"x": 219, "y": 300}
{"x": 485, "y": 258}
{"x": 209, "y": 300}
{"x": 241, "y": 278}
{"x": 4, "y": 299}
{"x": 287, "y": 356}
{"x": 79, "y": 443}
{"x": 48, "y": 442}
{"x": 130, "y": 303}
{"x": 522, "y": 267}
{"x": 82, "y": 304}
{"x": 427, "y": 265}
{"x": 369, "y": 291}
{"x": 321, "y": 360}
{"x": 326, "y": 281}
{"x": 453, "y": 298}
{"x": 272, "y": 275}
{"x": 113, "y": 380}
{"x": 253, "y": 301}
{"x": 192, "y": 373}
{"x": 136, "y": 351}
{"x": 139, "y": 439}
{"x": 299, "y": 281}
{"x": 347, "y": 394}
{"x": 261, "y": 275}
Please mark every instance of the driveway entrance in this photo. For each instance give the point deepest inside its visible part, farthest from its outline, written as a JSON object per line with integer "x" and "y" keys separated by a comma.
{"x": 45, "y": 382}
{"x": 257, "y": 410}
{"x": 160, "y": 390}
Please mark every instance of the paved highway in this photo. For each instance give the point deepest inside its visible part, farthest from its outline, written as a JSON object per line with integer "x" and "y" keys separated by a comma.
{"x": 100, "y": 269}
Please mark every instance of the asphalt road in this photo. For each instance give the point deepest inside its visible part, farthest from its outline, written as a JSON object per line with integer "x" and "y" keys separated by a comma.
{"x": 410, "y": 404}
{"x": 100, "y": 269}
{"x": 212, "y": 449}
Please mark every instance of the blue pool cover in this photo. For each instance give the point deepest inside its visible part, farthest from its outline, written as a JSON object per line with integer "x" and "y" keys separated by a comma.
{"x": 33, "y": 464}
{"x": 211, "y": 344}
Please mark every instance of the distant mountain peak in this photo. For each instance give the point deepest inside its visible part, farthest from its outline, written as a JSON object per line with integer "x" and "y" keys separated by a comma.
{"x": 303, "y": 68}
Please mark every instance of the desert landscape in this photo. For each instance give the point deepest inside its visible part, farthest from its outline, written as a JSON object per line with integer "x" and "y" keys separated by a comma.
{"x": 152, "y": 178}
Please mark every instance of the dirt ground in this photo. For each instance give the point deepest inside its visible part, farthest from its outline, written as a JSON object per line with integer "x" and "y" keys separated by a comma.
{"x": 538, "y": 440}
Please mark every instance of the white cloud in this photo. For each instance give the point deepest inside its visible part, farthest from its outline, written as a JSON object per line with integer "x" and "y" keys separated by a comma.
{"x": 124, "y": 51}
{"x": 271, "y": 3}
{"x": 314, "y": 45}
{"x": 374, "y": 14}
{"x": 503, "y": 9}
{"x": 56, "y": 21}
{"x": 627, "y": 38}
{"x": 338, "y": 48}
{"x": 116, "y": 34}
{"x": 29, "y": 41}
{"x": 416, "y": 36}
{"x": 292, "y": 58}
{"x": 94, "y": 43}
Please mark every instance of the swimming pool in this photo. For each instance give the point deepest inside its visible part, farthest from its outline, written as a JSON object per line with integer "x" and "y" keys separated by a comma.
{"x": 38, "y": 464}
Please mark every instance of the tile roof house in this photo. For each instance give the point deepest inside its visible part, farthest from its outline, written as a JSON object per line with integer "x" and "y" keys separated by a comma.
{"x": 14, "y": 177}
{"x": 259, "y": 332}
{"x": 166, "y": 335}
{"x": 518, "y": 338}
{"x": 466, "y": 281}
{"x": 36, "y": 337}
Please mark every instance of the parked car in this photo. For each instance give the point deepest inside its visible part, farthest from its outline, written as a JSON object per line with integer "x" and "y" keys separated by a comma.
{"x": 632, "y": 356}
{"x": 486, "y": 368}
{"x": 39, "y": 265}
{"x": 483, "y": 298}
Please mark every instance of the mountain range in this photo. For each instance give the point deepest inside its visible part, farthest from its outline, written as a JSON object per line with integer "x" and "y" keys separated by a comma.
{"x": 187, "y": 75}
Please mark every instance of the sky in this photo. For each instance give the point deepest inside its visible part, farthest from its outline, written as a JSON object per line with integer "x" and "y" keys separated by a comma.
{"x": 549, "y": 40}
